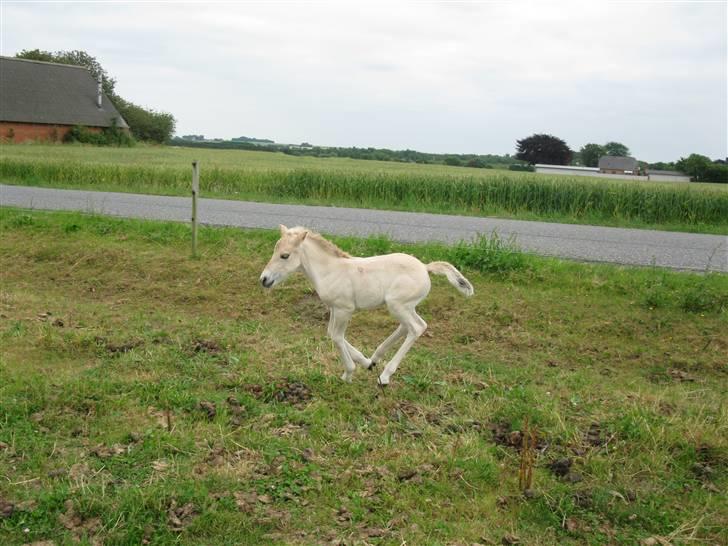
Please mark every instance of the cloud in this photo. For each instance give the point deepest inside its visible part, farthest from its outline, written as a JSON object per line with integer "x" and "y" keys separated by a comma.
{"x": 462, "y": 77}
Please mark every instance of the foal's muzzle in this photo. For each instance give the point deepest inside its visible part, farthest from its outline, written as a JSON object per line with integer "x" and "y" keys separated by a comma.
{"x": 266, "y": 281}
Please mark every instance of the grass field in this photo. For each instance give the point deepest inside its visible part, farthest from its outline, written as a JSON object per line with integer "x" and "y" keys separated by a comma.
{"x": 148, "y": 398}
{"x": 273, "y": 177}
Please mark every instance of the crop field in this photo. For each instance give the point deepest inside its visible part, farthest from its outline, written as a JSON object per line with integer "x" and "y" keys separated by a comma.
{"x": 271, "y": 177}
{"x": 150, "y": 398}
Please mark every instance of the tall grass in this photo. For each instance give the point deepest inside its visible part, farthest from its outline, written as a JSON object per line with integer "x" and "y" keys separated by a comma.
{"x": 511, "y": 192}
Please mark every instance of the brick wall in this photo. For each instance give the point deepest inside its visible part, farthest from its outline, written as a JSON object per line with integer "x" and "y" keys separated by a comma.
{"x": 11, "y": 131}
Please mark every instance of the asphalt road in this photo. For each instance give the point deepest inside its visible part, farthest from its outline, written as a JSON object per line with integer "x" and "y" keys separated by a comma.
{"x": 686, "y": 251}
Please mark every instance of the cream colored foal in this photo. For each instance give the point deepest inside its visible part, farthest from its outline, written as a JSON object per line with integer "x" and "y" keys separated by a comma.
{"x": 346, "y": 284}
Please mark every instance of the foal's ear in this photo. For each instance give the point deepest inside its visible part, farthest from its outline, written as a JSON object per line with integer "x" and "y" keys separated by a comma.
{"x": 300, "y": 237}
{"x": 283, "y": 229}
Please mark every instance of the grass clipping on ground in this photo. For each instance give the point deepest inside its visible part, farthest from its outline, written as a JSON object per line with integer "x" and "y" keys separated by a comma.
{"x": 147, "y": 398}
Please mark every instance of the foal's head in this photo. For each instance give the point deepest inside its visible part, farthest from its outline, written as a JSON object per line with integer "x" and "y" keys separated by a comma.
{"x": 286, "y": 257}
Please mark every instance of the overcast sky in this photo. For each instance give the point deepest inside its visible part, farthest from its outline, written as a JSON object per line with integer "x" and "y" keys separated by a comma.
{"x": 468, "y": 77}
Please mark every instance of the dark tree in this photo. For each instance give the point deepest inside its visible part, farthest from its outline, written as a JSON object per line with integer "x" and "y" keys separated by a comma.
{"x": 702, "y": 169}
{"x": 694, "y": 165}
{"x": 590, "y": 154}
{"x": 146, "y": 124}
{"x": 543, "y": 149}
{"x": 616, "y": 148}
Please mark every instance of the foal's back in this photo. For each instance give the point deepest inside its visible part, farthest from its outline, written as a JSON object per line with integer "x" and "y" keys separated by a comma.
{"x": 398, "y": 279}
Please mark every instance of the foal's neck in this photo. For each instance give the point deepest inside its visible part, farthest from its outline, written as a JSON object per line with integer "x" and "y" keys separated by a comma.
{"x": 316, "y": 263}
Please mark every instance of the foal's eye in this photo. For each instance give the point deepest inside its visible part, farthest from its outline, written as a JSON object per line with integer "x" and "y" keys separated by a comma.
{"x": 285, "y": 256}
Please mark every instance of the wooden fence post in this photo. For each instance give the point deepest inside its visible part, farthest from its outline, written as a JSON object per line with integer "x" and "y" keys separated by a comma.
{"x": 195, "y": 192}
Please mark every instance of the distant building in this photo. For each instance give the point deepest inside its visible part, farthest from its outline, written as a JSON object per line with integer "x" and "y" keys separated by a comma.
{"x": 613, "y": 164}
{"x": 43, "y": 101}
{"x": 193, "y": 137}
{"x": 653, "y": 175}
{"x": 667, "y": 176}
{"x": 565, "y": 169}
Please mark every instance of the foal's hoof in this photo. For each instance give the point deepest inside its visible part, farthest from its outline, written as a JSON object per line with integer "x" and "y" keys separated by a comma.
{"x": 382, "y": 385}
{"x": 372, "y": 366}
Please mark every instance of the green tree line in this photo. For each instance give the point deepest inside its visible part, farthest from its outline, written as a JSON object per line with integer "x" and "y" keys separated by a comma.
{"x": 482, "y": 161}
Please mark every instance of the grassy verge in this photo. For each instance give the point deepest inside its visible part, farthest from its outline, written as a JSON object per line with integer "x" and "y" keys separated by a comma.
{"x": 279, "y": 178}
{"x": 148, "y": 397}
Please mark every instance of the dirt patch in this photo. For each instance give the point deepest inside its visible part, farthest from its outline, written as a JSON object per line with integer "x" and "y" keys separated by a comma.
{"x": 504, "y": 435}
{"x": 680, "y": 375}
{"x": 118, "y": 348}
{"x": 662, "y": 375}
{"x": 206, "y": 346}
{"x": 415, "y": 475}
{"x": 240, "y": 463}
{"x": 710, "y": 463}
{"x": 6, "y": 508}
{"x": 291, "y": 392}
{"x": 255, "y": 390}
{"x": 236, "y": 410}
{"x": 163, "y": 418}
{"x": 209, "y": 408}
{"x": 78, "y": 525}
{"x": 180, "y": 517}
{"x": 289, "y": 429}
{"x": 563, "y": 469}
{"x": 583, "y": 499}
{"x": 246, "y": 501}
{"x": 594, "y": 436}
{"x": 560, "y": 467}
{"x": 104, "y": 452}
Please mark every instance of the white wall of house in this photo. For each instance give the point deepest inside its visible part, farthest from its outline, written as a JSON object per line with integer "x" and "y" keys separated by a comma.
{"x": 584, "y": 171}
{"x": 668, "y": 178}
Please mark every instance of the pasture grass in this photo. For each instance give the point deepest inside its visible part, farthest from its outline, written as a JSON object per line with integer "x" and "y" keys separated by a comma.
{"x": 261, "y": 176}
{"x": 146, "y": 397}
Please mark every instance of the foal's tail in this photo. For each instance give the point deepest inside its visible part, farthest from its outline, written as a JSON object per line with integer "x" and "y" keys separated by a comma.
{"x": 453, "y": 275}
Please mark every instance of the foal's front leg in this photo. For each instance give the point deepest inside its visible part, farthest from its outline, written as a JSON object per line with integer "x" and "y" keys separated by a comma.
{"x": 356, "y": 354}
{"x": 337, "y": 328}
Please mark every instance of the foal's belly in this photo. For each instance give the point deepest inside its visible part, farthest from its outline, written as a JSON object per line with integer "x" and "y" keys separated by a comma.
{"x": 368, "y": 302}
{"x": 368, "y": 298}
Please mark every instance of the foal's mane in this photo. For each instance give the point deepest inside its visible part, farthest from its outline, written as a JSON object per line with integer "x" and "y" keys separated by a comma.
{"x": 324, "y": 244}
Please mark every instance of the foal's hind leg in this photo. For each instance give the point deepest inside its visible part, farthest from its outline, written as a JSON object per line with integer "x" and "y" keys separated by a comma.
{"x": 414, "y": 326}
{"x": 387, "y": 344}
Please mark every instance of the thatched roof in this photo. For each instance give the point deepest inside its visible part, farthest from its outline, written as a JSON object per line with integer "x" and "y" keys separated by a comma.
{"x": 50, "y": 93}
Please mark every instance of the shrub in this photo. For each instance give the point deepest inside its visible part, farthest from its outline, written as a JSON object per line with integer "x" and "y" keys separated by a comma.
{"x": 701, "y": 298}
{"x": 488, "y": 254}
{"x": 84, "y": 135}
{"x": 109, "y": 136}
{"x": 146, "y": 124}
{"x": 521, "y": 167}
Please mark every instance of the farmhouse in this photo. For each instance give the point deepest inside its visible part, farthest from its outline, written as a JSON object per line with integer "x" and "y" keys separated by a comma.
{"x": 42, "y": 101}
{"x": 667, "y": 176}
{"x": 612, "y": 164}
{"x": 594, "y": 172}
